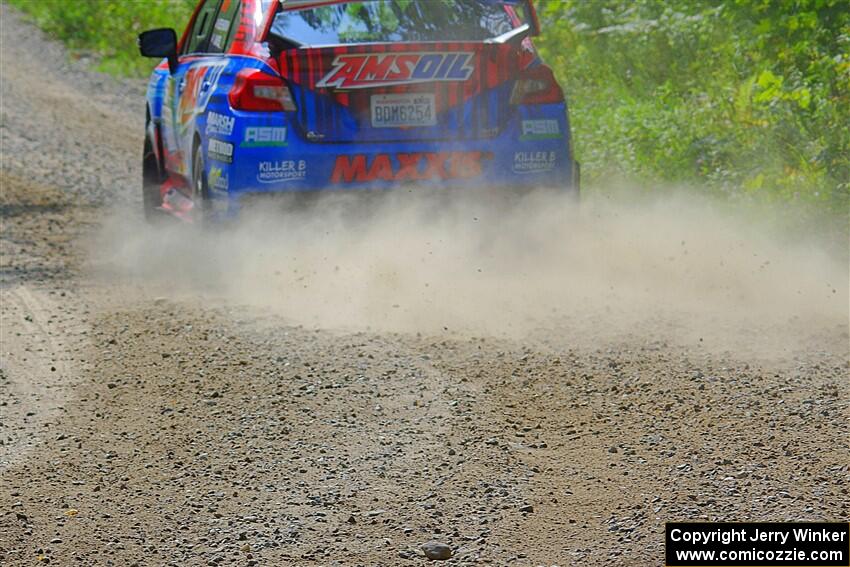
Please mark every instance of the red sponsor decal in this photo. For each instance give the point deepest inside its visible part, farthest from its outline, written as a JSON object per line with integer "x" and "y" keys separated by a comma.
{"x": 356, "y": 71}
{"x": 424, "y": 166}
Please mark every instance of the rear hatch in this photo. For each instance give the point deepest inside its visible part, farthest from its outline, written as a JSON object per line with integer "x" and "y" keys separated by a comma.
{"x": 387, "y": 92}
{"x": 398, "y": 70}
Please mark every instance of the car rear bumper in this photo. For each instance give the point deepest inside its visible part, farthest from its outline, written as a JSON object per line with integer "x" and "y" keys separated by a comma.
{"x": 268, "y": 155}
{"x": 358, "y": 168}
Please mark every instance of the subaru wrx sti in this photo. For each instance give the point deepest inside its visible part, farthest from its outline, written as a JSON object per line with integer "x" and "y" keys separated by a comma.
{"x": 288, "y": 96}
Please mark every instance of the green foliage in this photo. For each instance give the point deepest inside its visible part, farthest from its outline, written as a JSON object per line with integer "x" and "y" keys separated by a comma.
{"x": 749, "y": 98}
{"x": 108, "y": 27}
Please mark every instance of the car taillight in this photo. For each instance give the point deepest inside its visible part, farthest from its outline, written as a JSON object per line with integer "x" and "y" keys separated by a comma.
{"x": 255, "y": 90}
{"x": 537, "y": 86}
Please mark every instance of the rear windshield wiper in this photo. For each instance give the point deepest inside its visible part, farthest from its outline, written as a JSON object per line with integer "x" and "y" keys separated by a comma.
{"x": 278, "y": 42}
{"x": 516, "y": 35}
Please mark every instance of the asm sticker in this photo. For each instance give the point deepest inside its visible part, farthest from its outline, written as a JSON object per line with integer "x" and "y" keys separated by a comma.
{"x": 409, "y": 167}
{"x": 220, "y": 124}
{"x": 540, "y": 129}
{"x": 534, "y": 162}
{"x": 260, "y": 137}
{"x": 220, "y": 151}
{"x": 283, "y": 170}
{"x": 355, "y": 71}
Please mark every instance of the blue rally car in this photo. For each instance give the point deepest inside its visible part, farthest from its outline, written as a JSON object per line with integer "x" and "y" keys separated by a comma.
{"x": 272, "y": 96}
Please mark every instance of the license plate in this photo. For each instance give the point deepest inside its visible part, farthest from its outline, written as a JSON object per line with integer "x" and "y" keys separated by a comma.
{"x": 400, "y": 110}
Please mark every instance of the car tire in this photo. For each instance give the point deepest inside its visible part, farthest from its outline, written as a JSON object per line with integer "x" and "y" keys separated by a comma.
{"x": 200, "y": 188}
{"x": 151, "y": 183}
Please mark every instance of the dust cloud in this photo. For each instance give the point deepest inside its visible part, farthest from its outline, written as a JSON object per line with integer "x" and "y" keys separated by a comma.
{"x": 675, "y": 269}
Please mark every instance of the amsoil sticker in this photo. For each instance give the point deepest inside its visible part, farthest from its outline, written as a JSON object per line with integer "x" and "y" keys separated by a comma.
{"x": 363, "y": 168}
{"x": 357, "y": 71}
{"x": 281, "y": 170}
{"x": 534, "y": 162}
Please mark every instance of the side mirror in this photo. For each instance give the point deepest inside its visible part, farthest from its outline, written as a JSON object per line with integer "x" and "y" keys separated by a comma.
{"x": 160, "y": 42}
{"x": 533, "y": 21}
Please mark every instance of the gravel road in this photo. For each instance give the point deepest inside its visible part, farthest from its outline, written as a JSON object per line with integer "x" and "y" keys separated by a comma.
{"x": 147, "y": 421}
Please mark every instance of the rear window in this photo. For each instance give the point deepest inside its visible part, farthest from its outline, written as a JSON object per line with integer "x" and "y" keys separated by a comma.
{"x": 395, "y": 20}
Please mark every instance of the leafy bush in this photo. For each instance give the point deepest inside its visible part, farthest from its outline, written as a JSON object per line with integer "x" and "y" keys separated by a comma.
{"x": 746, "y": 98}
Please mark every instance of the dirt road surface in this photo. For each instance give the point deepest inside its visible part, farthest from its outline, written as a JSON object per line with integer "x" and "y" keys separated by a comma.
{"x": 162, "y": 403}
